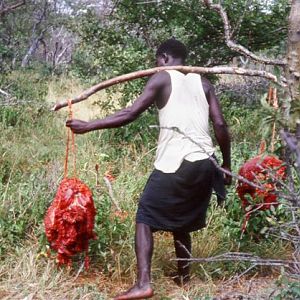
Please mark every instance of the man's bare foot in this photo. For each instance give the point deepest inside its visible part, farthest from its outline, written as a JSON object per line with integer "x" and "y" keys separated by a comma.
{"x": 136, "y": 292}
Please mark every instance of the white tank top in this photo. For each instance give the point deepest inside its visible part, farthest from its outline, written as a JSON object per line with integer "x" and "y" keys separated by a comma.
{"x": 187, "y": 109}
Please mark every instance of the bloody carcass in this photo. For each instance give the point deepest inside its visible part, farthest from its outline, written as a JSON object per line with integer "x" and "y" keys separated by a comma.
{"x": 69, "y": 221}
{"x": 264, "y": 171}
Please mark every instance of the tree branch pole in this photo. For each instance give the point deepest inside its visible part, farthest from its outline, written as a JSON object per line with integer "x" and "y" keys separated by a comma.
{"x": 185, "y": 69}
{"x": 235, "y": 46}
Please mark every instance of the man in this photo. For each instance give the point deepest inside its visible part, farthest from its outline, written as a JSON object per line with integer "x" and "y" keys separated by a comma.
{"x": 178, "y": 191}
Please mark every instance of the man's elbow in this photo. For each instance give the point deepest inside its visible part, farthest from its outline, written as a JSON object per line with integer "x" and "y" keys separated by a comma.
{"x": 220, "y": 126}
{"x": 221, "y": 130}
{"x": 131, "y": 116}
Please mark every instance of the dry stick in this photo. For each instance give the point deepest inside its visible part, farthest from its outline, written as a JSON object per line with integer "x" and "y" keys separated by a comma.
{"x": 12, "y": 7}
{"x": 186, "y": 69}
{"x": 237, "y": 277}
{"x": 235, "y": 46}
{"x": 4, "y": 93}
{"x": 239, "y": 256}
{"x": 111, "y": 194}
{"x": 186, "y": 251}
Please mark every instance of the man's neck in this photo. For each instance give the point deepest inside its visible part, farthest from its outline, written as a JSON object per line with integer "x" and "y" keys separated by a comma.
{"x": 176, "y": 62}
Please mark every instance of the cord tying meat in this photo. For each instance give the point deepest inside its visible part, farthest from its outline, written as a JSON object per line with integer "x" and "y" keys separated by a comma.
{"x": 69, "y": 221}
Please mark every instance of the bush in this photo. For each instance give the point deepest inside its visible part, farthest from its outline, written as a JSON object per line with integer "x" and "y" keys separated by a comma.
{"x": 25, "y": 85}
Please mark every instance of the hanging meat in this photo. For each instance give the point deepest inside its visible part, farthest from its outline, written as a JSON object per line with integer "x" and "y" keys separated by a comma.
{"x": 266, "y": 171}
{"x": 69, "y": 221}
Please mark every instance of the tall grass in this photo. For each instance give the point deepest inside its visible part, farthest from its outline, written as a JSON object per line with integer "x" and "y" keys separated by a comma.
{"x": 32, "y": 150}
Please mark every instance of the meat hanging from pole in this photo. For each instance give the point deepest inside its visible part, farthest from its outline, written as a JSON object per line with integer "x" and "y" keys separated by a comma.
{"x": 266, "y": 171}
{"x": 69, "y": 221}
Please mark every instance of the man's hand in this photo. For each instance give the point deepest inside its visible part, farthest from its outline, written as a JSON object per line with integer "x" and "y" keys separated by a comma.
{"x": 78, "y": 126}
{"x": 227, "y": 177}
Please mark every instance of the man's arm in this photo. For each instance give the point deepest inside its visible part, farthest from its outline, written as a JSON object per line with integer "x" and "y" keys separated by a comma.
{"x": 152, "y": 92}
{"x": 219, "y": 125}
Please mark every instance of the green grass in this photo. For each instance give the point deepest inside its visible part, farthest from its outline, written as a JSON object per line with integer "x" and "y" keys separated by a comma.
{"x": 32, "y": 150}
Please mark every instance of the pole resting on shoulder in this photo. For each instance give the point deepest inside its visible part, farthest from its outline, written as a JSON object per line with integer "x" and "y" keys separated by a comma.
{"x": 185, "y": 69}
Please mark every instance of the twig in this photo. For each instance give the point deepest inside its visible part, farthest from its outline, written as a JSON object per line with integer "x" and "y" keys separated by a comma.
{"x": 237, "y": 256}
{"x": 237, "y": 277}
{"x": 235, "y": 46}
{"x": 186, "y": 250}
{"x": 111, "y": 194}
{"x": 79, "y": 271}
{"x": 186, "y": 69}
{"x": 4, "y": 93}
{"x": 12, "y": 7}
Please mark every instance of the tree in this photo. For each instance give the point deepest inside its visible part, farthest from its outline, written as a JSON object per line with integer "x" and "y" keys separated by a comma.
{"x": 4, "y": 8}
{"x": 293, "y": 53}
{"x": 37, "y": 31}
{"x": 289, "y": 231}
{"x": 139, "y": 24}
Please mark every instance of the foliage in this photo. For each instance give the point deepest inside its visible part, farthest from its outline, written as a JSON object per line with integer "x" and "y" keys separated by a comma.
{"x": 288, "y": 289}
{"x": 32, "y": 149}
{"x": 8, "y": 116}
{"x": 29, "y": 31}
{"x": 19, "y": 84}
{"x": 32, "y": 143}
{"x": 136, "y": 29}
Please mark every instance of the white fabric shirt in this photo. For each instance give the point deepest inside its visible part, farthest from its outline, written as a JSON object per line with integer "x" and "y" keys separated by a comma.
{"x": 187, "y": 110}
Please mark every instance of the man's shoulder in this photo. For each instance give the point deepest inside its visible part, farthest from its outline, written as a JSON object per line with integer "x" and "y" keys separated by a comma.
{"x": 161, "y": 75}
{"x": 160, "y": 78}
{"x": 207, "y": 86}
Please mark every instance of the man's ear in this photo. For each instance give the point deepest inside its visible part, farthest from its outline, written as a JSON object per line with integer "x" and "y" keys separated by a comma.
{"x": 165, "y": 57}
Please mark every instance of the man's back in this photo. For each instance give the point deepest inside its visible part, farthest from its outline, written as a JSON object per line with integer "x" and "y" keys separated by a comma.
{"x": 187, "y": 111}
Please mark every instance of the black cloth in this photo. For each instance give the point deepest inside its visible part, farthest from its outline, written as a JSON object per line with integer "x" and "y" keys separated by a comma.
{"x": 178, "y": 201}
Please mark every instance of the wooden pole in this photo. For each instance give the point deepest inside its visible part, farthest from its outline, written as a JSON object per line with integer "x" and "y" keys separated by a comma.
{"x": 145, "y": 73}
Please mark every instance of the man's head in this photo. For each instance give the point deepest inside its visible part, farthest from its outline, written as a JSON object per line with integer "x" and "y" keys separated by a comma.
{"x": 171, "y": 52}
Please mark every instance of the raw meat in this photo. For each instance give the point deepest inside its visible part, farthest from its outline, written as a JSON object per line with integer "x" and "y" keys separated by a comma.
{"x": 266, "y": 171}
{"x": 69, "y": 221}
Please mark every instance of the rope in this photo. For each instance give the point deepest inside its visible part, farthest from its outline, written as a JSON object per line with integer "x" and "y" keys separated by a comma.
{"x": 70, "y": 136}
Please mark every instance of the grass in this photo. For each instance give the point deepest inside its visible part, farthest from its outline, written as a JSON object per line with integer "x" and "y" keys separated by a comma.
{"x": 32, "y": 276}
{"x": 32, "y": 149}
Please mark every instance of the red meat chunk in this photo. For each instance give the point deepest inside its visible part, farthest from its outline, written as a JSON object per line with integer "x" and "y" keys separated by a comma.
{"x": 69, "y": 221}
{"x": 265, "y": 171}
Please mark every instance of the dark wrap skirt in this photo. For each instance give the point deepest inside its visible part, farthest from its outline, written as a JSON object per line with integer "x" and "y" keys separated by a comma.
{"x": 178, "y": 201}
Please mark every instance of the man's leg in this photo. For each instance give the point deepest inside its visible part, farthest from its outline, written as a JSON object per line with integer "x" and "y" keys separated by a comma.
{"x": 183, "y": 248}
{"x": 143, "y": 250}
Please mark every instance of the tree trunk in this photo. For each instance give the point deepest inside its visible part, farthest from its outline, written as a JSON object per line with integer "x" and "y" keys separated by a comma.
{"x": 5, "y": 10}
{"x": 32, "y": 49}
{"x": 293, "y": 54}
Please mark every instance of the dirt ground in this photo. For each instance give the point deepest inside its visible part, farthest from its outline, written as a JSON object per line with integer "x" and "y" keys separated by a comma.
{"x": 253, "y": 288}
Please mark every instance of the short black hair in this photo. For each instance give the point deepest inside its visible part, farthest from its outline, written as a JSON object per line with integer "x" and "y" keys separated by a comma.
{"x": 174, "y": 48}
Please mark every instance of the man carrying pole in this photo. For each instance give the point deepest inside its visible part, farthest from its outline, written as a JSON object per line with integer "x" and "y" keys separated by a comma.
{"x": 178, "y": 191}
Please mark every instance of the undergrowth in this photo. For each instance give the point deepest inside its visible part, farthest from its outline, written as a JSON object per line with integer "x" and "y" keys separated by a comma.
{"x": 32, "y": 150}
